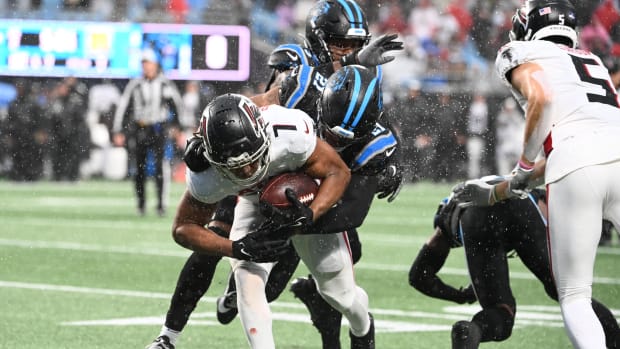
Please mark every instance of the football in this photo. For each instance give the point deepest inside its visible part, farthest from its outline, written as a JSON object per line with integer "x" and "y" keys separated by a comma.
{"x": 303, "y": 185}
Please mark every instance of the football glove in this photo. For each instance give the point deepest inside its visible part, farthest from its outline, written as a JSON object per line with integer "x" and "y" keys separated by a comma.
{"x": 194, "y": 155}
{"x": 298, "y": 216}
{"x": 261, "y": 246}
{"x": 466, "y": 295}
{"x": 390, "y": 183}
{"x": 372, "y": 54}
{"x": 474, "y": 192}
{"x": 520, "y": 177}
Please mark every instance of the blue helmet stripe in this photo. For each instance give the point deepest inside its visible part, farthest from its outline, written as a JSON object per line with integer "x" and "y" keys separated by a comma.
{"x": 347, "y": 9}
{"x": 295, "y": 48}
{"x": 367, "y": 97}
{"x": 303, "y": 78}
{"x": 356, "y": 90}
{"x": 358, "y": 10}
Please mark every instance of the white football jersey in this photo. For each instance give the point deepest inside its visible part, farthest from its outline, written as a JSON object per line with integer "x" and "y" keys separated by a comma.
{"x": 584, "y": 125}
{"x": 293, "y": 140}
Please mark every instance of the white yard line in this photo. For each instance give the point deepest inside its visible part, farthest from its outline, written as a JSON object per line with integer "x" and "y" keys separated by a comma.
{"x": 411, "y": 321}
{"x": 76, "y": 246}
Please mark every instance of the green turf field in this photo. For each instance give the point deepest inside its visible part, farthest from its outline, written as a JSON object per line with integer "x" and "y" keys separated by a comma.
{"x": 79, "y": 269}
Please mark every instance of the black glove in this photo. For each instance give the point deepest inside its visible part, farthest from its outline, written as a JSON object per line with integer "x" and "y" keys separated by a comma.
{"x": 297, "y": 216}
{"x": 390, "y": 183}
{"x": 467, "y": 295}
{"x": 261, "y": 246}
{"x": 372, "y": 54}
{"x": 194, "y": 155}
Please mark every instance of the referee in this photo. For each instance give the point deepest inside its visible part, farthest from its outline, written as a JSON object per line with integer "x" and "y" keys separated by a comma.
{"x": 148, "y": 111}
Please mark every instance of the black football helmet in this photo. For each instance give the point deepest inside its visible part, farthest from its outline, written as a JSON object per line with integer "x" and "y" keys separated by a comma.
{"x": 234, "y": 135}
{"x": 553, "y": 20}
{"x": 335, "y": 19}
{"x": 350, "y": 106}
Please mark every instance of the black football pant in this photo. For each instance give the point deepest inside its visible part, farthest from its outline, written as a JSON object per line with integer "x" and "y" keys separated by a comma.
{"x": 150, "y": 138}
{"x": 489, "y": 235}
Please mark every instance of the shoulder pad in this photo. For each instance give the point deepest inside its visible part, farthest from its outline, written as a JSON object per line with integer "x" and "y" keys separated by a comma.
{"x": 303, "y": 87}
{"x": 376, "y": 152}
{"x": 289, "y": 56}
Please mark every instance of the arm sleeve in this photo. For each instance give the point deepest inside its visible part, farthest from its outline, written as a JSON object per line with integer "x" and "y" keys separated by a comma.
{"x": 423, "y": 276}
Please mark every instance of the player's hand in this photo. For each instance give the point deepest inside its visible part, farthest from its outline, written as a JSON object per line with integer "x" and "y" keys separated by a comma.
{"x": 260, "y": 246}
{"x": 372, "y": 54}
{"x": 390, "y": 183}
{"x": 296, "y": 216}
{"x": 474, "y": 192}
{"x": 520, "y": 177}
{"x": 194, "y": 155}
{"x": 467, "y": 295}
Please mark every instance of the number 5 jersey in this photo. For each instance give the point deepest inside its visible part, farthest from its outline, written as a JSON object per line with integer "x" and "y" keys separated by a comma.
{"x": 581, "y": 125}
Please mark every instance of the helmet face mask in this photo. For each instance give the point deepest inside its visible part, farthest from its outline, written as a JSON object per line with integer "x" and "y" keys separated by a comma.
{"x": 236, "y": 143}
{"x": 332, "y": 23}
{"x": 350, "y": 106}
{"x": 554, "y": 20}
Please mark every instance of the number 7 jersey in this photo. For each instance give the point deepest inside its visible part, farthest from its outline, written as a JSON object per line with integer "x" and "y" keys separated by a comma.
{"x": 293, "y": 140}
{"x": 583, "y": 122}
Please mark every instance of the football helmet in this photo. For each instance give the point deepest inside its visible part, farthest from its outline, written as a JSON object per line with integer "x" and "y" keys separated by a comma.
{"x": 330, "y": 20}
{"x": 554, "y": 20}
{"x": 350, "y": 106}
{"x": 234, "y": 135}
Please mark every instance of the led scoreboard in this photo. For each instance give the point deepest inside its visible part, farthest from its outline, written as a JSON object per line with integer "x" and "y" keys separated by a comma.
{"x": 113, "y": 50}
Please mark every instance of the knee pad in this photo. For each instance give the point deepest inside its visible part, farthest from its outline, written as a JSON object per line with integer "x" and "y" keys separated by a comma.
{"x": 496, "y": 323}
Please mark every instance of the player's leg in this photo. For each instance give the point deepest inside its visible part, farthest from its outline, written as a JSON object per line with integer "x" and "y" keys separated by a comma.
{"x": 534, "y": 253}
{"x": 194, "y": 280}
{"x": 141, "y": 151}
{"x": 324, "y": 317}
{"x": 251, "y": 278}
{"x": 488, "y": 270}
{"x": 162, "y": 170}
{"x": 277, "y": 282}
{"x": 329, "y": 261}
{"x": 529, "y": 235}
{"x": 574, "y": 233}
{"x": 611, "y": 214}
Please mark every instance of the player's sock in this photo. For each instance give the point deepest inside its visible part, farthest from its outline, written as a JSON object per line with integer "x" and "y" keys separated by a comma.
{"x": 172, "y": 335}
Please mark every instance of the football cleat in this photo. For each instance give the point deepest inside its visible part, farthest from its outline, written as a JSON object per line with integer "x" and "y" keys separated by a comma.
{"x": 324, "y": 317}
{"x": 161, "y": 342}
{"x": 466, "y": 335}
{"x": 227, "y": 307}
{"x": 368, "y": 340}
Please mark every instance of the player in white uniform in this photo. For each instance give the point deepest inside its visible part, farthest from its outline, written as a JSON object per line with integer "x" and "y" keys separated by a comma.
{"x": 572, "y": 115}
{"x": 246, "y": 146}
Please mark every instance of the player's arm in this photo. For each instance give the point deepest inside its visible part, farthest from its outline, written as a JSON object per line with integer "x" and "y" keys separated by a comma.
{"x": 423, "y": 273}
{"x": 530, "y": 81}
{"x": 189, "y": 231}
{"x": 352, "y": 209}
{"x": 325, "y": 164}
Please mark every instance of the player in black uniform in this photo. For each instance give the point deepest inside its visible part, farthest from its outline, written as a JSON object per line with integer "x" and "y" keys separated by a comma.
{"x": 488, "y": 235}
{"x": 344, "y": 36}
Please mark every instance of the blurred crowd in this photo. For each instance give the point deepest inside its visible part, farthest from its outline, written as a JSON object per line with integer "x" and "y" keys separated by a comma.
{"x": 455, "y": 118}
